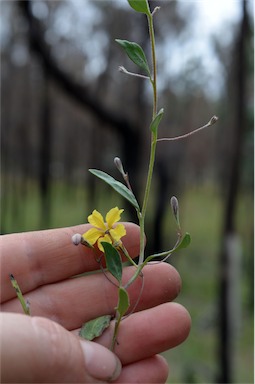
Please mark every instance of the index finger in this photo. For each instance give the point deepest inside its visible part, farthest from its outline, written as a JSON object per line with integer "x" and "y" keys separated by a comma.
{"x": 48, "y": 256}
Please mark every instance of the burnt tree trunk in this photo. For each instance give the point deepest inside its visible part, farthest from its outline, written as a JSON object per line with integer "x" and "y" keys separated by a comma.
{"x": 45, "y": 154}
{"x": 126, "y": 129}
{"x": 229, "y": 237}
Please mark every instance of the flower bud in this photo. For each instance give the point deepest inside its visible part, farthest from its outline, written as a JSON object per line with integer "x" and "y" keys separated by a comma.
{"x": 175, "y": 209}
{"x": 174, "y": 205}
{"x": 213, "y": 120}
{"x": 76, "y": 239}
{"x": 122, "y": 69}
{"x": 119, "y": 165}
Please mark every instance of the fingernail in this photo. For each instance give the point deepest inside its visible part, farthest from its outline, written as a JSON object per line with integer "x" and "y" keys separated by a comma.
{"x": 100, "y": 363}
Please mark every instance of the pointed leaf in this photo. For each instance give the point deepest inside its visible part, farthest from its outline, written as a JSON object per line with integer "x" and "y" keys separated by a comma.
{"x": 117, "y": 186}
{"x": 155, "y": 123}
{"x": 140, "y": 6}
{"x": 95, "y": 328}
{"x": 135, "y": 53}
{"x": 123, "y": 303}
{"x": 113, "y": 260}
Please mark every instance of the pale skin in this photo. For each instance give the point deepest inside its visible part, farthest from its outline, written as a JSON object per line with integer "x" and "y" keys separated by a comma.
{"x": 46, "y": 347}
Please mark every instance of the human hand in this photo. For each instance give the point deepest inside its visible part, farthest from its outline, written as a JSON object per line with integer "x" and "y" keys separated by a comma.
{"x": 45, "y": 346}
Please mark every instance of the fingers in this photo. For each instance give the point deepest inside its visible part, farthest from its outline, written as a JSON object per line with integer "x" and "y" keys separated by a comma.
{"x": 147, "y": 333}
{"x": 151, "y": 370}
{"x": 44, "y": 352}
{"x": 44, "y": 257}
{"x": 78, "y": 300}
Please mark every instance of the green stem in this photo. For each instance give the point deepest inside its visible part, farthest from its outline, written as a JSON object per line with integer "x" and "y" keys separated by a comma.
{"x": 142, "y": 265}
{"x": 164, "y": 254}
{"x": 125, "y": 252}
{"x": 116, "y": 328}
{"x": 154, "y": 65}
{"x": 137, "y": 272}
{"x": 22, "y": 301}
{"x": 153, "y": 143}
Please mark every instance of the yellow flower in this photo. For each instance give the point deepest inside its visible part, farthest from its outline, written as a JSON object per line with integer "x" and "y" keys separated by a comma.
{"x": 102, "y": 231}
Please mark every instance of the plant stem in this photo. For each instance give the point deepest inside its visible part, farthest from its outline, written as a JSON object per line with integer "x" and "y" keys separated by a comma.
{"x": 212, "y": 121}
{"x": 145, "y": 201}
{"x": 22, "y": 301}
{"x": 116, "y": 328}
{"x": 153, "y": 142}
{"x": 125, "y": 252}
{"x": 154, "y": 65}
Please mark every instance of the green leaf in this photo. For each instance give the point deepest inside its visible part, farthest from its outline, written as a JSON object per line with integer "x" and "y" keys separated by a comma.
{"x": 140, "y": 6}
{"x": 135, "y": 53}
{"x": 184, "y": 242}
{"x": 117, "y": 186}
{"x": 113, "y": 260}
{"x": 123, "y": 303}
{"x": 95, "y": 328}
{"x": 155, "y": 123}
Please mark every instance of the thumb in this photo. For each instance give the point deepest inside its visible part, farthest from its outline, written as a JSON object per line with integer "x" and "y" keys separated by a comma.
{"x": 43, "y": 351}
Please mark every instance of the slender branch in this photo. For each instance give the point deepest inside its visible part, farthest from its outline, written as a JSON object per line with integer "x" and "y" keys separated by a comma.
{"x": 125, "y": 252}
{"x": 124, "y": 70}
{"x": 211, "y": 122}
{"x": 137, "y": 300}
{"x": 107, "y": 277}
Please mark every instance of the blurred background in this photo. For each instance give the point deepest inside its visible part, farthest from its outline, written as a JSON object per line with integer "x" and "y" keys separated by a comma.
{"x": 66, "y": 108}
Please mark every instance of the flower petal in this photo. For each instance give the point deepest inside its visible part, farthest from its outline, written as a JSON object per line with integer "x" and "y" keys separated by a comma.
{"x": 118, "y": 232}
{"x": 96, "y": 219}
{"x": 113, "y": 216}
{"x": 105, "y": 238}
{"x": 92, "y": 235}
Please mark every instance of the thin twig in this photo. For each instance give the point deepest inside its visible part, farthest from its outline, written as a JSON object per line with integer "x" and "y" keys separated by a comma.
{"x": 211, "y": 122}
{"x": 124, "y": 70}
{"x": 126, "y": 179}
{"x": 156, "y": 9}
{"x": 108, "y": 278}
{"x": 138, "y": 299}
